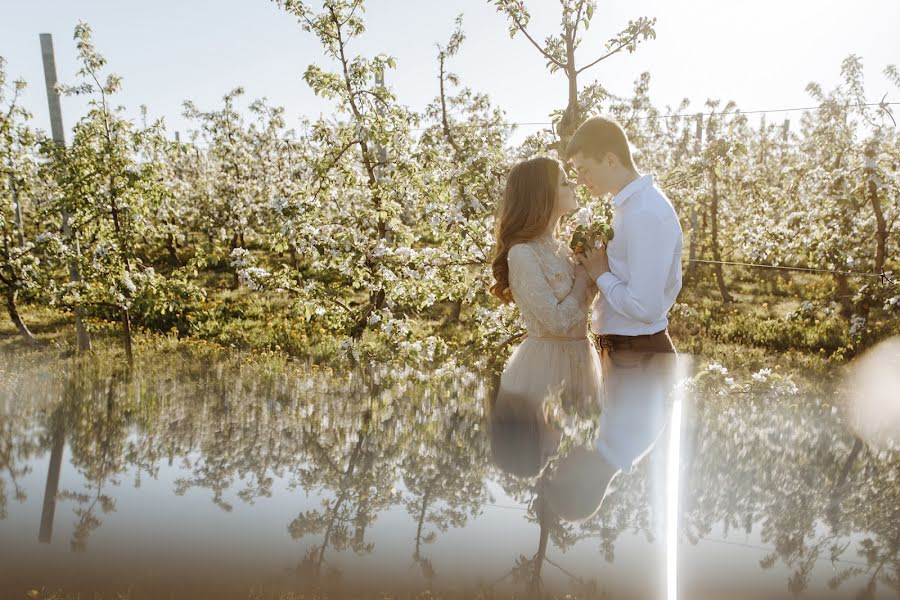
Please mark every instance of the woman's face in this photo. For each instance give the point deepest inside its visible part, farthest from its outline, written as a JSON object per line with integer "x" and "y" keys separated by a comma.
{"x": 566, "y": 201}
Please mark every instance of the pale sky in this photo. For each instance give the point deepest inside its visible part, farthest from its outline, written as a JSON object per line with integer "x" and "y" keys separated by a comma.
{"x": 760, "y": 54}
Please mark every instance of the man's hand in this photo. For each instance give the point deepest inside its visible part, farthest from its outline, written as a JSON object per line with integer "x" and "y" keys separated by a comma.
{"x": 595, "y": 261}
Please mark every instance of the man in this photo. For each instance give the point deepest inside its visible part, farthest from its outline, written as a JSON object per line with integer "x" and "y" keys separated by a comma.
{"x": 639, "y": 276}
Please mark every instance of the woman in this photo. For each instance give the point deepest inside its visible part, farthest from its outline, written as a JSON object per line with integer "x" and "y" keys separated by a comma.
{"x": 535, "y": 270}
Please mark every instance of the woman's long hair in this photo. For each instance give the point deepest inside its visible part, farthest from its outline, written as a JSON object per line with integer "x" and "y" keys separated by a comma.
{"x": 528, "y": 204}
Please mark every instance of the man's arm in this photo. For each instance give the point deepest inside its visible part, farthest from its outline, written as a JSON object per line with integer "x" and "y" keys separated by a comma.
{"x": 650, "y": 241}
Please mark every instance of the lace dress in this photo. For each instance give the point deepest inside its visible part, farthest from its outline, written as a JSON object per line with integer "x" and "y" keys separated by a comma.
{"x": 556, "y": 358}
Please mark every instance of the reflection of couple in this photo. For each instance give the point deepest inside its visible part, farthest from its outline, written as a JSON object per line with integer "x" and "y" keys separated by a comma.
{"x": 631, "y": 283}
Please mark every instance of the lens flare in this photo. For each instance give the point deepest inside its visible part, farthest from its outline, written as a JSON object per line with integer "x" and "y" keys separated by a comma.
{"x": 872, "y": 392}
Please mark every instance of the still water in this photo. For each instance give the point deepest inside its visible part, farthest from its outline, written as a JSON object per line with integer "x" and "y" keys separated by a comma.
{"x": 209, "y": 476}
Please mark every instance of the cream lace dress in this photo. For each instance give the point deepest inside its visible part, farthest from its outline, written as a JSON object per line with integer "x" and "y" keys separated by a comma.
{"x": 557, "y": 357}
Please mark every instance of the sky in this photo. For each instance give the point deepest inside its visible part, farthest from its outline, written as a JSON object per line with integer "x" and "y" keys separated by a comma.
{"x": 761, "y": 54}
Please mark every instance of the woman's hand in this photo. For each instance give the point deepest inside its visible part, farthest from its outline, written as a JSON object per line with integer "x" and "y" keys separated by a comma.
{"x": 582, "y": 277}
{"x": 590, "y": 285}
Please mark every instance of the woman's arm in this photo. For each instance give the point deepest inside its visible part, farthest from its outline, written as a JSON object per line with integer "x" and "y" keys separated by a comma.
{"x": 533, "y": 294}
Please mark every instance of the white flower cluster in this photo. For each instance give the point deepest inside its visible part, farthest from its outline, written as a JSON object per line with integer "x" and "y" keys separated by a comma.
{"x": 278, "y": 204}
{"x": 128, "y": 283}
{"x": 786, "y": 388}
{"x": 857, "y": 326}
{"x": 683, "y": 311}
{"x": 583, "y": 217}
{"x": 248, "y": 274}
{"x": 253, "y": 278}
{"x": 762, "y": 375}
{"x": 240, "y": 257}
{"x": 717, "y": 368}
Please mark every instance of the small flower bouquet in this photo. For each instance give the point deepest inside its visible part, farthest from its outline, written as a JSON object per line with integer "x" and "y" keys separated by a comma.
{"x": 587, "y": 231}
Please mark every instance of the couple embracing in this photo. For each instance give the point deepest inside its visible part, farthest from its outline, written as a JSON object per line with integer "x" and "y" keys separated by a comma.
{"x": 624, "y": 368}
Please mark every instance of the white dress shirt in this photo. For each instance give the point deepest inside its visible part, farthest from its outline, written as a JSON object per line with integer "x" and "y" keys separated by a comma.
{"x": 644, "y": 275}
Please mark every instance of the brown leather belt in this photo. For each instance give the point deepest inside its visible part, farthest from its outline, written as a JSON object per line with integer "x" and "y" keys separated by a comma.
{"x": 641, "y": 343}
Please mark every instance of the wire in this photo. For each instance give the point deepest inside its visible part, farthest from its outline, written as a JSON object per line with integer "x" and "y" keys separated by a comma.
{"x": 882, "y": 105}
{"x": 884, "y": 275}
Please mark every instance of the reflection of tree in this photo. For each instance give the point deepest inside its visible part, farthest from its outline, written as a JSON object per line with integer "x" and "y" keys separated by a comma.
{"x": 242, "y": 432}
{"x": 352, "y": 504}
{"x": 800, "y": 478}
{"x": 444, "y": 474}
{"x": 102, "y": 409}
{"x": 20, "y": 438}
{"x": 14, "y": 447}
{"x": 755, "y": 462}
{"x": 528, "y": 570}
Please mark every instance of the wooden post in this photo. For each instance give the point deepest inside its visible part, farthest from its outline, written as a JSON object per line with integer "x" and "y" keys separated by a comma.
{"x": 714, "y": 239}
{"x": 785, "y": 129}
{"x": 692, "y": 251}
{"x": 381, "y": 152}
{"x": 763, "y": 140}
{"x": 56, "y": 129}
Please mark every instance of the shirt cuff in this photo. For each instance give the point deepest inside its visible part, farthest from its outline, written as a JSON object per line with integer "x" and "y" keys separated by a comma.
{"x": 606, "y": 282}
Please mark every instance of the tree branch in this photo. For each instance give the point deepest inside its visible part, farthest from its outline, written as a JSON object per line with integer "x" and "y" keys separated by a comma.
{"x": 618, "y": 49}
{"x": 535, "y": 44}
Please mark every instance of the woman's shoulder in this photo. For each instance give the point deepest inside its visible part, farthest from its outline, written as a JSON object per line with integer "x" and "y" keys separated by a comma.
{"x": 520, "y": 250}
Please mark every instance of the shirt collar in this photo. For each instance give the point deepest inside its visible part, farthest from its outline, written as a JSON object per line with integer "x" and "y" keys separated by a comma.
{"x": 632, "y": 188}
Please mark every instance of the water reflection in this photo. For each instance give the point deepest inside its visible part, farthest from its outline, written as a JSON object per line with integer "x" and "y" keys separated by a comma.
{"x": 384, "y": 481}
{"x": 638, "y": 395}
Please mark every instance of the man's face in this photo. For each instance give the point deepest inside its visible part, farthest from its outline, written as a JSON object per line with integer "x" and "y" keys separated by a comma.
{"x": 595, "y": 174}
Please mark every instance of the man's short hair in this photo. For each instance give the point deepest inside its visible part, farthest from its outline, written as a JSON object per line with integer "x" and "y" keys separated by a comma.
{"x": 596, "y": 137}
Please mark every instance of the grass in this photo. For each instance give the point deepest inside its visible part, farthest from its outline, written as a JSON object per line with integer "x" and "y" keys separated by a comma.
{"x": 763, "y": 319}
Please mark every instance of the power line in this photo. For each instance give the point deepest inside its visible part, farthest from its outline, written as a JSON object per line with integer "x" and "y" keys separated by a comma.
{"x": 884, "y": 275}
{"x": 770, "y": 110}
{"x": 882, "y": 105}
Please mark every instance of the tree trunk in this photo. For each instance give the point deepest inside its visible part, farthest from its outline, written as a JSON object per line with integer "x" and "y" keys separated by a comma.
{"x": 875, "y": 201}
{"x": 571, "y": 117}
{"x": 843, "y": 295}
{"x": 456, "y": 311}
{"x": 235, "y": 280}
{"x": 376, "y": 301}
{"x": 714, "y": 234}
{"x": 421, "y": 522}
{"x": 17, "y": 320}
{"x": 834, "y": 504}
{"x": 544, "y": 518}
{"x": 84, "y": 338}
{"x": 692, "y": 251}
{"x": 871, "y": 151}
{"x": 170, "y": 248}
